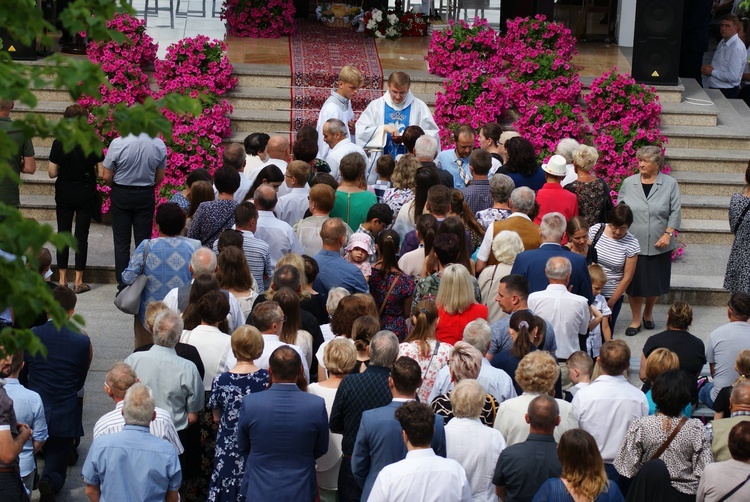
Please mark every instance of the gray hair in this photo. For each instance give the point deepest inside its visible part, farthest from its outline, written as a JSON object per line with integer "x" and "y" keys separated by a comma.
{"x": 467, "y": 399}
{"x": 506, "y": 245}
{"x": 203, "y": 261}
{"x": 522, "y": 200}
{"x": 426, "y": 147}
{"x": 335, "y": 126}
{"x": 567, "y": 147}
{"x": 168, "y": 327}
{"x": 478, "y": 334}
{"x": 501, "y": 186}
{"x": 651, "y": 154}
{"x": 585, "y": 158}
{"x": 557, "y": 268}
{"x": 138, "y": 406}
{"x": 383, "y": 348}
{"x": 552, "y": 227}
{"x": 334, "y": 297}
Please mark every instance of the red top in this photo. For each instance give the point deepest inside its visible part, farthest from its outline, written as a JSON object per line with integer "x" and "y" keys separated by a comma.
{"x": 552, "y": 197}
{"x": 450, "y": 328}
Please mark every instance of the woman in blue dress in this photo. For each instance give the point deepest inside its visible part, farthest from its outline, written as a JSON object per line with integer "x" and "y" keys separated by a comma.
{"x": 583, "y": 476}
{"x": 227, "y": 392}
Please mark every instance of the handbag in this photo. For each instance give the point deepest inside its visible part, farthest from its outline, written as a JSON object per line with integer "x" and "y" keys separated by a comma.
{"x": 592, "y": 256}
{"x": 129, "y": 299}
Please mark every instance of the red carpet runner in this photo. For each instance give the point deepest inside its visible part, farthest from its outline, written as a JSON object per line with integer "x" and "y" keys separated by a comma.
{"x": 318, "y": 53}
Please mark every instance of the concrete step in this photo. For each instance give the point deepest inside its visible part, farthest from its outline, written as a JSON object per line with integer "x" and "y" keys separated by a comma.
{"x": 698, "y": 276}
{"x": 705, "y": 207}
{"x": 38, "y": 207}
{"x": 38, "y": 183}
{"x": 695, "y": 108}
{"x": 706, "y": 160}
{"x": 709, "y": 183}
{"x": 693, "y": 231}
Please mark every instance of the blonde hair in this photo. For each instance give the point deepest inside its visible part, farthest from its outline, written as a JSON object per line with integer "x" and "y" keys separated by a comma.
{"x": 456, "y": 290}
{"x": 247, "y": 343}
{"x": 585, "y": 158}
{"x": 299, "y": 170}
{"x": 424, "y": 327}
{"x": 152, "y": 310}
{"x": 505, "y": 136}
{"x": 742, "y": 363}
{"x": 467, "y": 399}
{"x": 340, "y": 356}
{"x": 465, "y": 362}
{"x": 537, "y": 372}
{"x": 506, "y": 245}
{"x": 659, "y": 361}
{"x": 582, "y": 464}
{"x": 581, "y": 361}
{"x": 405, "y": 171}
{"x": 597, "y": 274}
{"x": 351, "y": 75}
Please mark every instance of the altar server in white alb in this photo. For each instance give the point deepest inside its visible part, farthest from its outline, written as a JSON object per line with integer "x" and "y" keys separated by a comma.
{"x": 391, "y": 114}
{"x": 339, "y": 105}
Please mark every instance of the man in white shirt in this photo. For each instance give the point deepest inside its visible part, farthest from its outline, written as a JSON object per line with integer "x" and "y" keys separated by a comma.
{"x": 339, "y": 105}
{"x": 119, "y": 379}
{"x": 269, "y": 319}
{"x": 495, "y": 381}
{"x": 422, "y": 475}
{"x": 568, "y": 313}
{"x": 608, "y": 406}
{"x": 292, "y": 206}
{"x": 335, "y": 136}
{"x": 728, "y": 64}
{"x": 278, "y": 234}
{"x": 255, "y": 154}
{"x": 234, "y": 156}
{"x": 279, "y": 154}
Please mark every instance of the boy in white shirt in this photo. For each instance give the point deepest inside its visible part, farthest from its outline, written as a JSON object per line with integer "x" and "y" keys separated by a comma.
{"x": 339, "y": 105}
{"x": 599, "y": 331}
{"x": 580, "y": 365}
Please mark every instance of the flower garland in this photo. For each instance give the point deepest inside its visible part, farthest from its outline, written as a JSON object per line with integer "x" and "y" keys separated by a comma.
{"x": 259, "y": 18}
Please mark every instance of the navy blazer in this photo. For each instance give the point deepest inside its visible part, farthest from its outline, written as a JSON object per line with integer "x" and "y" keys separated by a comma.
{"x": 531, "y": 264}
{"x": 58, "y": 377}
{"x": 282, "y": 431}
{"x": 379, "y": 443}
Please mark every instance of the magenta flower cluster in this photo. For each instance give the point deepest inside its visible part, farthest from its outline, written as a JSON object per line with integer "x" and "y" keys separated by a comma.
{"x": 197, "y": 67}
{"x": 467, "y": 54}
{"x": 259, "y": 18}
{"x": 624, "y": 116}
{"x": 545, "y": 124}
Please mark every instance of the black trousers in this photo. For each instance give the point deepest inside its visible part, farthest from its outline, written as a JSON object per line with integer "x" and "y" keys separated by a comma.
{"x": 349, "y": 490}
{"x": 65, "y": 224}
{"x": 56, "y": 453}
{"x": 132, "y": 210}
{"x": 11, "y": 487}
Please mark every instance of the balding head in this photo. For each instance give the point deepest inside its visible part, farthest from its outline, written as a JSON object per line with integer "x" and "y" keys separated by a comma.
{"x": 119, "y": 379}
{"x": 234, "y": 156}
{"x": 543, "y": 415}
{"x": 558, "y": 270}
{"x": 203, "y": 261}
{"x": 265, "y": 197}
{"x": 333, "y": 233}
{"x": 278, "y": 147}
{"x": 740, "y": 399}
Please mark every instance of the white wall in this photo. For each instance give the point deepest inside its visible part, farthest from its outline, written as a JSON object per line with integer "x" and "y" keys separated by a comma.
{"x": 625, "y": 22}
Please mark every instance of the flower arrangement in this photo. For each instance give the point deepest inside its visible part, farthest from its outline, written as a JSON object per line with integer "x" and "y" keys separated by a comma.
{"x": 380, "y": 24}
{"x": 546, "y": 77}
{"x": 545, "y": 124}
{"x": 414, "y": 24}
{"x": 339, "y": 12}
{"x": 624, "y": 117}
{"x": 462, "y": 46}
{"x": 529, "y": 37}
{"x": 259, "y": 18}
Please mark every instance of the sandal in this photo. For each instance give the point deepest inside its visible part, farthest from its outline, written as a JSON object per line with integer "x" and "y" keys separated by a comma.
{"x": 81, "y": 288}
{"x": 648, "y": 324}
{"x": 631, "y": 331}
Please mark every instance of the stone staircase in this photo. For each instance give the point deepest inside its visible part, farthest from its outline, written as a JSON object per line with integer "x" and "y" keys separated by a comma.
{"x": 708, "y": 150}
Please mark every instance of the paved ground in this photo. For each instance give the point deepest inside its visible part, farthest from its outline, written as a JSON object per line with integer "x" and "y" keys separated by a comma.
{"x": 112, "y": 335}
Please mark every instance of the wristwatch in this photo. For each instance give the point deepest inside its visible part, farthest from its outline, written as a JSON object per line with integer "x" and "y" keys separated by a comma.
{"x": 669, "y": 233}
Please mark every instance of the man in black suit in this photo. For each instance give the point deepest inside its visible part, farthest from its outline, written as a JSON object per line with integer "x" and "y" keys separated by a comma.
{"x": 58, "y": 378}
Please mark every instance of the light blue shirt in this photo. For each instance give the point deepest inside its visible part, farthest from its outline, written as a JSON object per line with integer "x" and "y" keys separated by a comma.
{"x": 337, "y": 272}
{"x": 447, "y": 161}
{"x": 728, "y": 62}
{"x": 29, "y": 409}
{"x": 134, "y": 160}
{"x": 132, "y": 465}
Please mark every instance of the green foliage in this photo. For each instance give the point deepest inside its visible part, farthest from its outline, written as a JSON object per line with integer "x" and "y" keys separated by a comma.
{"x": 21, "y": 287}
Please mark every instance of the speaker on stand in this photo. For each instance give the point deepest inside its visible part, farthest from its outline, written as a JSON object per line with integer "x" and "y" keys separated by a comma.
{"x": 656, "y": 42}
{"x": 15, "y": 49}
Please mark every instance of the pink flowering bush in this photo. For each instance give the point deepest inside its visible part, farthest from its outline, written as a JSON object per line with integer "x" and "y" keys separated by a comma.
{"x": 138, "y": 47}
{"x": 468, "y": 98}
{"x": 624, "y": 117}
{"x": 464, "y": 46}
{"x": 545, "y": 124}
{"x": 526, "y": 37}
{"x": 546, "y": 77}
{"x": 259, "y": 18}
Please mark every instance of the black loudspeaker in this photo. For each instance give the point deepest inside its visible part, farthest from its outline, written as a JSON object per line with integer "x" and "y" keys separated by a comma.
{"x": 656, "y": 44}
{"x": 15, "y": 49}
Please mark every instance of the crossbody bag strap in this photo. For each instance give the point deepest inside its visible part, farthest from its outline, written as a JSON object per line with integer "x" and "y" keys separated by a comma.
{"x": 388, "y": 294}
{"x": 669, "y": 439}
{"x": 598, "y": 234}
{"x": 734, "y": 490}
{"x": 219, "y": 230}
{"x": 742, "y": 217}
{"x": 434, "y": 353}
{"x": 145, "y": 257}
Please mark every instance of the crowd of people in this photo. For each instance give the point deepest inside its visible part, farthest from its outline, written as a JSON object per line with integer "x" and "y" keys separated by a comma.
{"x": 382, "y": 320}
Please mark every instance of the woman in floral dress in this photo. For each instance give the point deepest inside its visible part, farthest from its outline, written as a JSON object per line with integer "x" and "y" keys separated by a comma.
{"x": 737, "y": 278}
{"x": 403, "y": 183}
{"x": 227, "y": 392}
{"x": 423, "y": 347}
{"x": 391, "y": 289}
{"x": 594, "y": 202}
